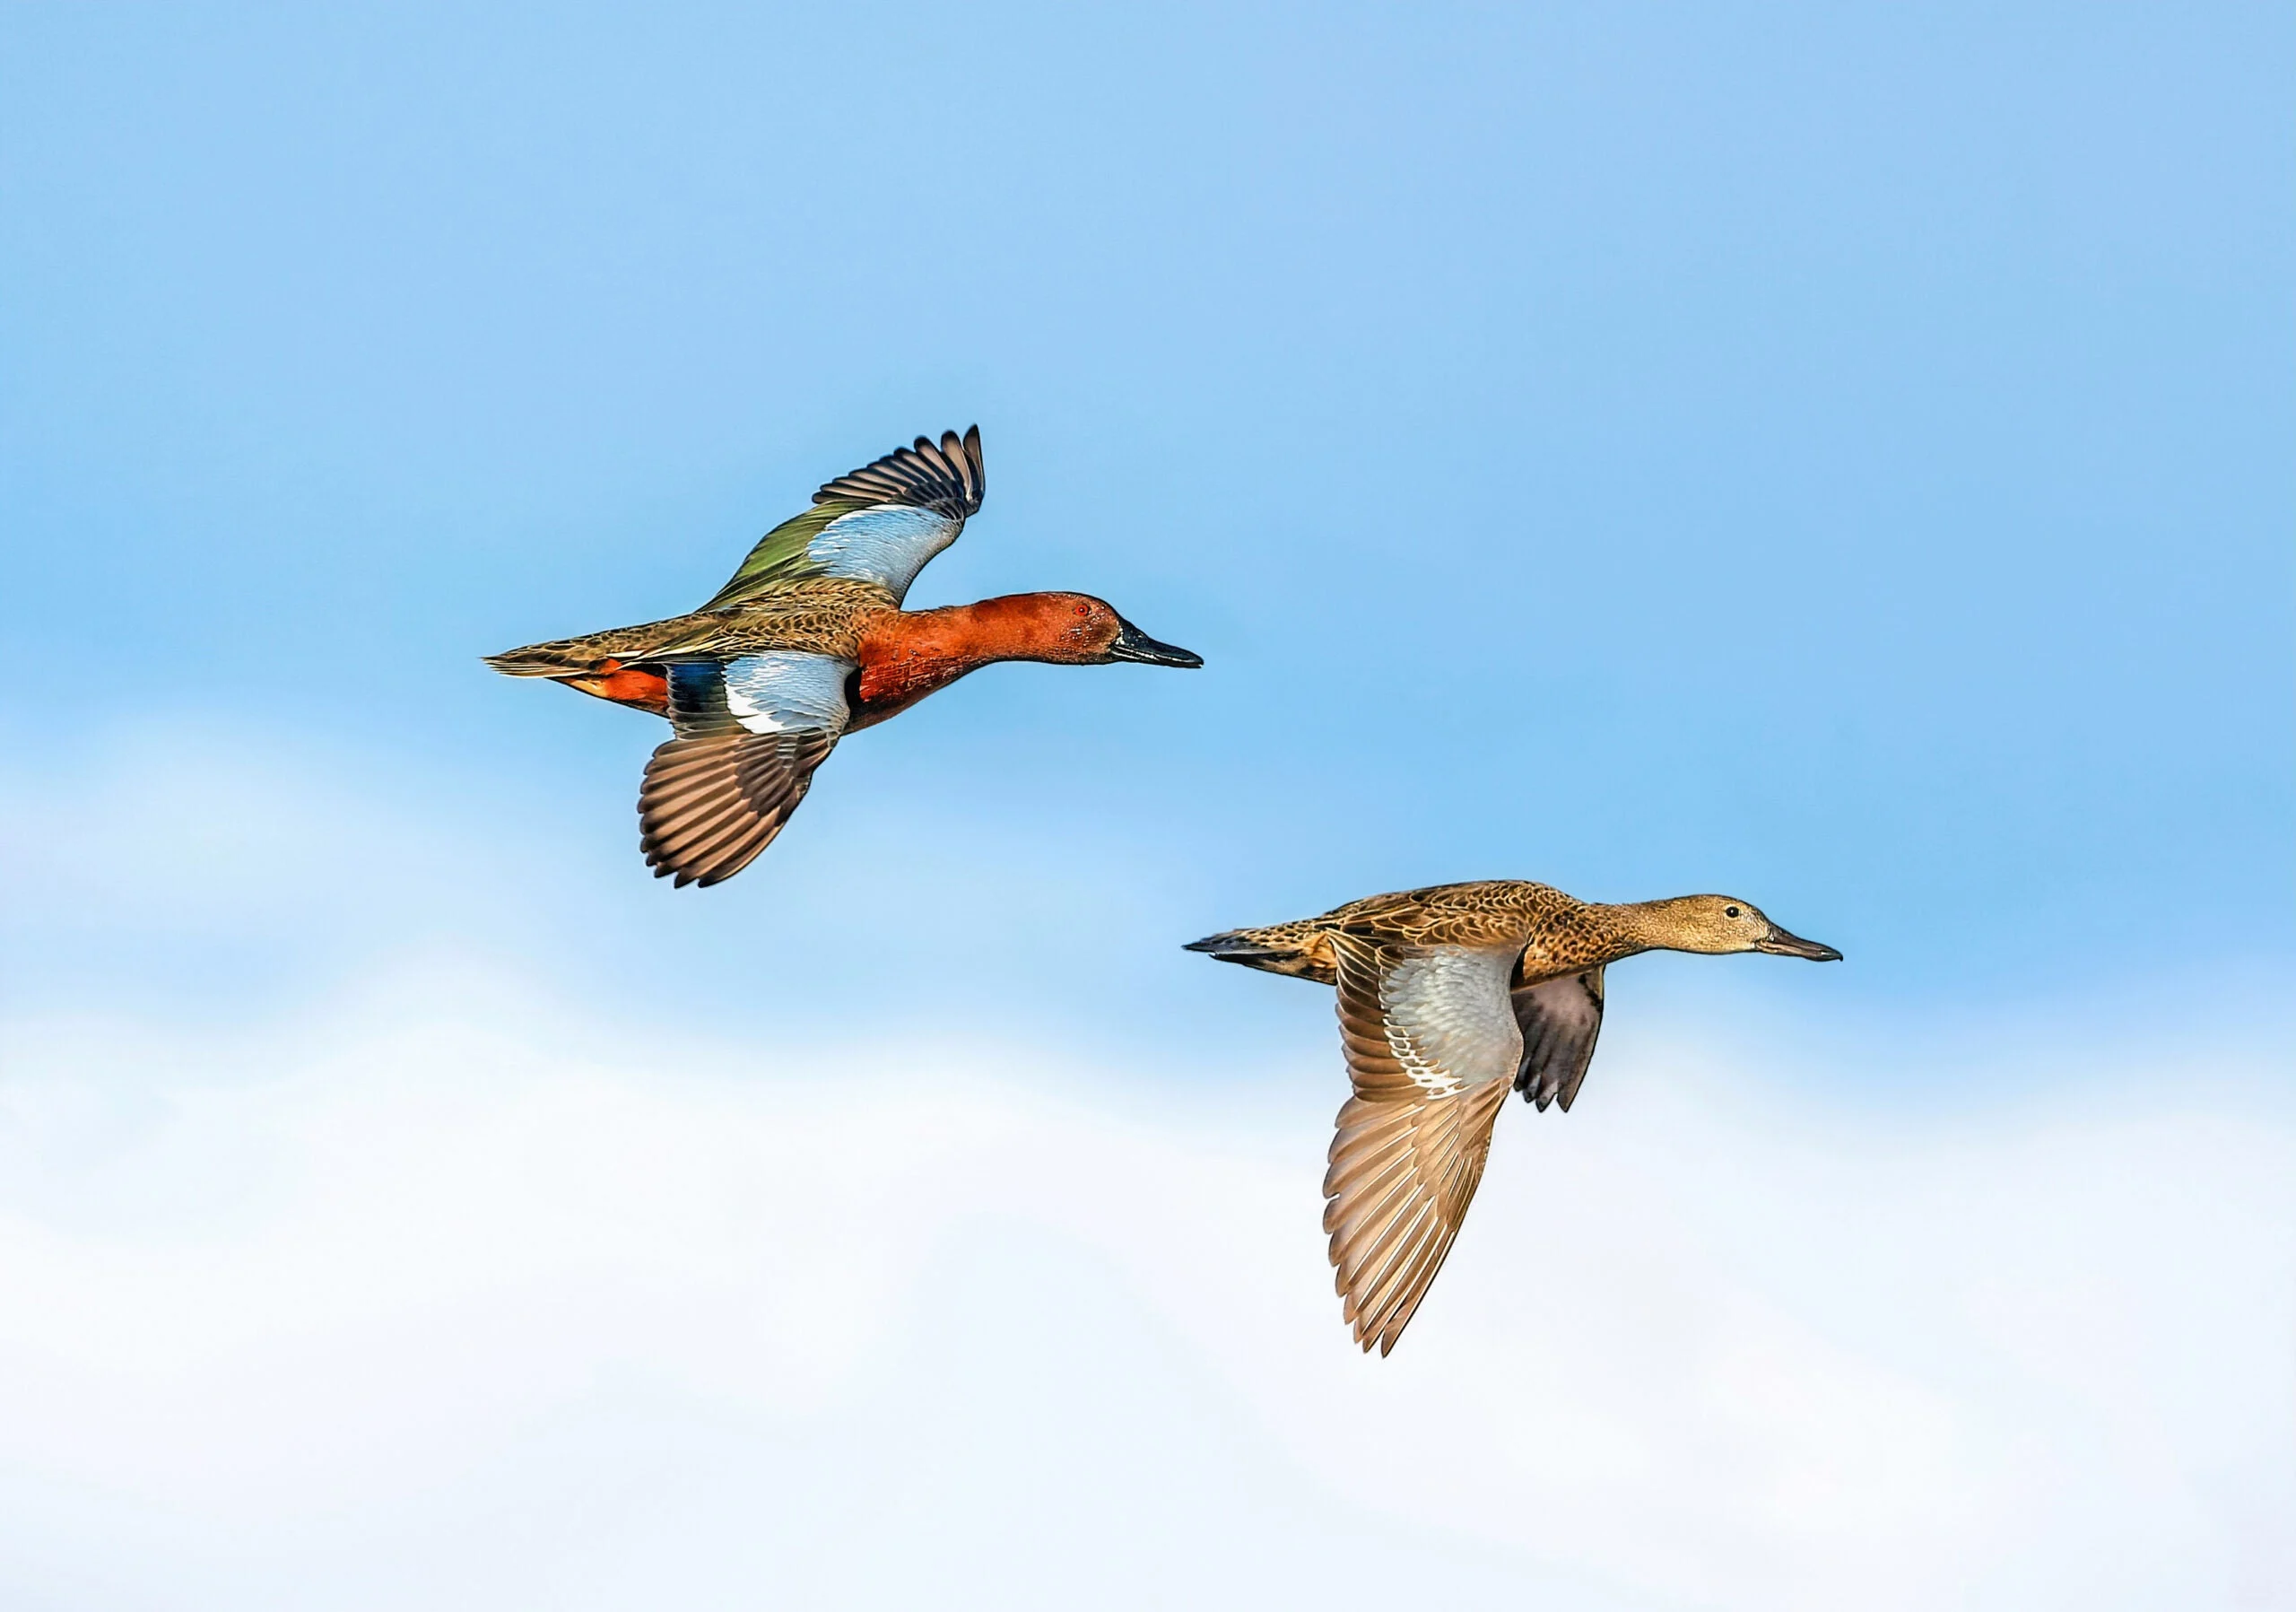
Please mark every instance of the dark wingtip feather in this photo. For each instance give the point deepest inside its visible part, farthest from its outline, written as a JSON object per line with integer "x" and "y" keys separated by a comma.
{"x": 945, "y": 476}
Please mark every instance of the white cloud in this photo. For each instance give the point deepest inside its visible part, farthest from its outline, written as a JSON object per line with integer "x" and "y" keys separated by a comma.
{"x": 453, "y": 1297}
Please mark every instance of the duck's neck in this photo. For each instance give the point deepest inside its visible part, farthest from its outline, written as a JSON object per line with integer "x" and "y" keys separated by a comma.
{"x": 908, "y": 654}
{"x": 1650, "y": 926}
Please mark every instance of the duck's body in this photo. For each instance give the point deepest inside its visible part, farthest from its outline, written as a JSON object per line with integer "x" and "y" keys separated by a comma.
{"x": 1449, "y": 997}
{"x": 808, "y": 641}
{"x": 1556, "y": 933}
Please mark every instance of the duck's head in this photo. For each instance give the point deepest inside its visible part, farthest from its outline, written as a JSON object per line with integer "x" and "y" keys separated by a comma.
{"x": 1716, "y": 924}
{"x": 1076, "y": 629}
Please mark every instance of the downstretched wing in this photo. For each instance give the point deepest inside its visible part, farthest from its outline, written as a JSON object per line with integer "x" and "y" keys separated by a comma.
{"x": 1559, "y": 1020}
{"x": 750, "y": 733}
{"x": 1432, "y": 1049}
{"x": 882, "y": 522}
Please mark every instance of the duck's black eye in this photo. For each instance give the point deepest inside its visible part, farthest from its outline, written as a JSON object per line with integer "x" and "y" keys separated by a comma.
{"x": 1730, "y": 912}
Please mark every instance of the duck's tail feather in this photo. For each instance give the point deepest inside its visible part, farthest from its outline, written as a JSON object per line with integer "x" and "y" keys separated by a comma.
{"x": 577, "y": 663}
{"x": 561, "y": 658}
{"x": 1277, "y": 949}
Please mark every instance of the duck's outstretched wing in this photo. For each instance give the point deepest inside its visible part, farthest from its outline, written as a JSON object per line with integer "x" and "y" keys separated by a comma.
{"x": 1559, "y": 1020}
{"x": 750, "y": 732}
{"x": 1432, "y": 1049}
{"x": 882, "y": 522}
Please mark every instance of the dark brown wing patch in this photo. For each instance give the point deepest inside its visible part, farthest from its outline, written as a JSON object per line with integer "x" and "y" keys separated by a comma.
{"x": 946, "y": 478}
{"x": 1559, "y": 1019}
{"x": 711, "y": 803}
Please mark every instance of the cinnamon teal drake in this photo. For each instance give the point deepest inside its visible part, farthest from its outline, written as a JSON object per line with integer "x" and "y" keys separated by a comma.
{"x": 1449, "y": 997}
{"x": 809, "y": 642}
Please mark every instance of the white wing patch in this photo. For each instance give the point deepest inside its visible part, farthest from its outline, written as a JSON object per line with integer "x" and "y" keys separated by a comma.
{"x": 785, "y": 689}
{"x": 1448, "y": 1019}
{"x": 888, "y": 544}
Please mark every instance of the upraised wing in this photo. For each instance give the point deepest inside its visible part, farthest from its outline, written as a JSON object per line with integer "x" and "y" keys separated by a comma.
{"x": 750, "y": 733}
{"x": 1433, "y": 1047}
{"x": 882, "y": 522}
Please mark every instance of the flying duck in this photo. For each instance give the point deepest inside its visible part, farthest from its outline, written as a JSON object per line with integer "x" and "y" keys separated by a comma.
{"x": 1449, "y": 997}
{"x": 807, "y": 642}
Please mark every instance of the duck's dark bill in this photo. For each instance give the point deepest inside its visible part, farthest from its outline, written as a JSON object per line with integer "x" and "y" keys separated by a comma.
{"x": 1794, "y": 946}
{"x": 1133, "y": 644}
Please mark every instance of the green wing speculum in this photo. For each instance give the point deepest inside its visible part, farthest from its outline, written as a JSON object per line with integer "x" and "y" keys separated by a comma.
{"x": 781, "y": 555}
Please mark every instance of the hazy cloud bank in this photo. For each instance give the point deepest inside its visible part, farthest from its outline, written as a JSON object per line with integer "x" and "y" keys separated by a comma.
{"x": 448, "y": 1294}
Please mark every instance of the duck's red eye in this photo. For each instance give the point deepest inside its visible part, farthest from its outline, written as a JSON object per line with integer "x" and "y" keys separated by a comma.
{"x": 1084, "y": 610}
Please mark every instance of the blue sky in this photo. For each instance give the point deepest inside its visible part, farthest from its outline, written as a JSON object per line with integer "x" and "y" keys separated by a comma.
{"x": 1831, "y": 458}
{"x": 1836, "y": 456}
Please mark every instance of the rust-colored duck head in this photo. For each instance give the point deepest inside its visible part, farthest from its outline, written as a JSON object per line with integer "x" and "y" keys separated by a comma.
{"x": 908, "y": 654}
{"x": 1063, "y": 629}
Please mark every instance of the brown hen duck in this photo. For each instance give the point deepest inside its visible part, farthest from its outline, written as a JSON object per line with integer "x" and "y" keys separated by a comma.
{"x": 1449, "y": 997}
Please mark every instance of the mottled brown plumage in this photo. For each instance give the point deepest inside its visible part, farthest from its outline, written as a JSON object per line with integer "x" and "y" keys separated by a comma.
{"x": 1449, "y": 997}
{"x": 815, "y": 615}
